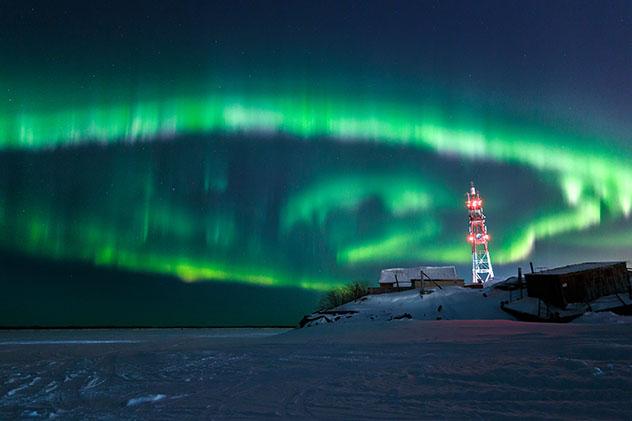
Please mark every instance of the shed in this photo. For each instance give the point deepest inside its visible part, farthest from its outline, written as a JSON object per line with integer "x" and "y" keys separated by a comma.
{"x": 579, "y": 283}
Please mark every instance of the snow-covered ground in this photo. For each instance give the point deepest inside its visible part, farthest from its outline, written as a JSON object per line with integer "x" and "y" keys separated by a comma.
{"x": 451, "y": 303}
{"x": 448, "y": 303}
{"x": 400, "y": 369}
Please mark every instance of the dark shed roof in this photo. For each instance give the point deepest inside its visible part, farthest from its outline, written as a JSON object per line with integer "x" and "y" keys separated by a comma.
{"x": 578, "y": 267}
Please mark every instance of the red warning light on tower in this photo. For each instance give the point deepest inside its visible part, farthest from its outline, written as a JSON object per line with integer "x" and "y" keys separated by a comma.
{"x": 477, "y": 236}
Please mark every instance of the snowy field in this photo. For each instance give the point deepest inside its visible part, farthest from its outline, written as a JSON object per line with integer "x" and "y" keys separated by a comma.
{"x": 448, "y": 303}
{"x": 403, "y": 369}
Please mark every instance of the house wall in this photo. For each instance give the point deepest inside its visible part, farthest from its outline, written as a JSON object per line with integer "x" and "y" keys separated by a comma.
{"x": 440, "y": 282}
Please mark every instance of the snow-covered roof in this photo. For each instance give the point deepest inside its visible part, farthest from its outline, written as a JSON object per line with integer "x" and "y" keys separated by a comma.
{"x": 579, "y": 267}
{"x": 405, "y": 275}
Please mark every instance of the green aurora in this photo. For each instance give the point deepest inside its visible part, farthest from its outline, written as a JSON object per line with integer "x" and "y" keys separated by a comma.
{"x": 144, "y": 229}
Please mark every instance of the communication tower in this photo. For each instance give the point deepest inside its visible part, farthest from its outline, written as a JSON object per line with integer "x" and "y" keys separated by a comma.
{"x": 481, "y": 263}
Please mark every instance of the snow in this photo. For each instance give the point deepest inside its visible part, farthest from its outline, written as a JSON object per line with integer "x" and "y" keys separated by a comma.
{"x": 447, "y": 303}
{"x": 66, "y": 342}
{"x": 386, "y": 356}
{"x": 603, "y": 317}
{"x": 454, "y": 303}
{"x": 578, "y": 267}
{"x": 610, "y": 301}
{"x": 145, "y": 399}
{"x": 405, "y": 369}
{"x": 533, "y": 306}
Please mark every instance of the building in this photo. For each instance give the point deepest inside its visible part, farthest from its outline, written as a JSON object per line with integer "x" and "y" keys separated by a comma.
{"x": 579, "y": 283}
{"x": 396, "y": 279}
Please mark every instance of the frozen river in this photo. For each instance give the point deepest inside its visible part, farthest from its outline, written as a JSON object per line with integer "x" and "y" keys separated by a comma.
{"x": 403, "y": 369}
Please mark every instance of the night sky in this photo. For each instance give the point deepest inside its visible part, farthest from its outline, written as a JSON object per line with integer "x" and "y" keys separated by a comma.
{"x": 215, "y": 163}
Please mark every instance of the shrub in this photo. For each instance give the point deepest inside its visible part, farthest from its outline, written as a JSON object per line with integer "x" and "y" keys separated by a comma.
{"x": 341, "y": 295}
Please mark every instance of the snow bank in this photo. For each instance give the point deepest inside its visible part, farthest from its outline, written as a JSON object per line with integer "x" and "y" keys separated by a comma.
{"x": 448, "y": 303}
{"x": 145, "y": 399}
{"x": 603, "y": 317}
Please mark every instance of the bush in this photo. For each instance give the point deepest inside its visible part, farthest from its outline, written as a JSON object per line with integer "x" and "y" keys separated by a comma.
{"x": 341, "y": 295}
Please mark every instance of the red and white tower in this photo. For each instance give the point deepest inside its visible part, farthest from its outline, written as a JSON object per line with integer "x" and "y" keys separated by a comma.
{"x": 481, "y": 263}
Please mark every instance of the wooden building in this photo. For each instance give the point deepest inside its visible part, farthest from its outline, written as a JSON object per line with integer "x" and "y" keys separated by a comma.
{"x": 579, "y": 283}
{"x": 420, "y": 277}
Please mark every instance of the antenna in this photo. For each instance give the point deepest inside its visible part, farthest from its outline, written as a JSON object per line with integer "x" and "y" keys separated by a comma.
{"x": 482, "y": 270}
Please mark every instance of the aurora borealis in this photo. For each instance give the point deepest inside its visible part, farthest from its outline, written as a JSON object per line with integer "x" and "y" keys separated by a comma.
{"x": 216, "y": 155}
